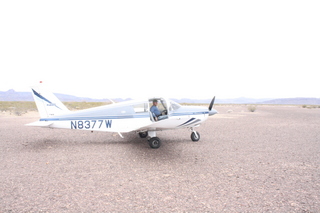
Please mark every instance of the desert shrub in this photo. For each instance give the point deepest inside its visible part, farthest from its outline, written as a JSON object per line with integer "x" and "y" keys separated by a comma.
{"x": 17, "y": 108}
{"x": 310, "y": 106}
{"x": 21, "y": 107}
{"x": 252, "y": 108}
{"x": 18, "y": 113}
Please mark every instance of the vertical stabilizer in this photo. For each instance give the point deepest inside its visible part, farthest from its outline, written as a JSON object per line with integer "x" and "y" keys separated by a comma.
{"x": 47, "y": 103}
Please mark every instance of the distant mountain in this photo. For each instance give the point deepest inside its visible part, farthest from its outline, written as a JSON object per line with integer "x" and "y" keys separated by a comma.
{"x": 222, "y": 101}
{"x": 296, "y": 101}
{"x": 12, "y": 95}
{"x": 242, "y": 100}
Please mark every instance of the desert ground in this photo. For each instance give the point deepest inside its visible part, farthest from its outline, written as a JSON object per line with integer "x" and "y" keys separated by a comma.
{"x": 262, "y": 161}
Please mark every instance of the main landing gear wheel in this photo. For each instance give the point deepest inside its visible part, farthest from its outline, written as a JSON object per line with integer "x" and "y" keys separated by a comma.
{"x": 143, "y": 134}
{"x": 154, "y": 142}
{"x": 195, "y": 136}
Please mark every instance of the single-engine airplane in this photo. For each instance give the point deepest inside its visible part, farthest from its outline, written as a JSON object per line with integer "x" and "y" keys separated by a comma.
{"x": 145, "y": 117}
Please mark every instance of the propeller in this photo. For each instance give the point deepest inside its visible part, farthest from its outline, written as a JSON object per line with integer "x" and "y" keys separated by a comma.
{"x": 212, "y": 111}
{"x": 212, "y": 102}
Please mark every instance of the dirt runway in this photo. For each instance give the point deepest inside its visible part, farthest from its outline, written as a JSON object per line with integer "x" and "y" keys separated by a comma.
{"x": 265, "y": 161}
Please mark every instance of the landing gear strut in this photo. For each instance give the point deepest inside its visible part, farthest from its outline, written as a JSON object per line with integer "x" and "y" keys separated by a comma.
{"x": 154, "y": 141}
{"x": 195, "y": 136}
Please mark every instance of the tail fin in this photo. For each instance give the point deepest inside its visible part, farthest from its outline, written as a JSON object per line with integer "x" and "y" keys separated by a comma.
{"x": 47, "y": 103}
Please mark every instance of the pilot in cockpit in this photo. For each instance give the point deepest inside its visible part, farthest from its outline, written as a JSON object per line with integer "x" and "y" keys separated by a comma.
{"x": 156, "y": 112}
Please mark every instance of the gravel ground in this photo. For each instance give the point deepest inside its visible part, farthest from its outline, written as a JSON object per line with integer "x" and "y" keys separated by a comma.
{"x": 265, "y": 161}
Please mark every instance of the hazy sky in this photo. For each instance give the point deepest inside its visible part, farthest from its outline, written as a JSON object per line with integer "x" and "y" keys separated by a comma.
{"x": 196, "y": 49}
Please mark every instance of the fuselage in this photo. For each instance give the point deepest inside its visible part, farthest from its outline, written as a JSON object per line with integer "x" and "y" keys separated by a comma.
{"x": 130, "y": 116}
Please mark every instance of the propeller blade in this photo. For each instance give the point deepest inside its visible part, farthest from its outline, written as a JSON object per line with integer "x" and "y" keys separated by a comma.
{"x": 212, "y": 102}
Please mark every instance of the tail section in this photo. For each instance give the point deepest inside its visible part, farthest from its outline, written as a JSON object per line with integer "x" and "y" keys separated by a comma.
{"x": 47, "y": 103}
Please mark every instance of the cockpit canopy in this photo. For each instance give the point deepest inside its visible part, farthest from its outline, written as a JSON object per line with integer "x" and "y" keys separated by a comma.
{"x": 165, "y": 104}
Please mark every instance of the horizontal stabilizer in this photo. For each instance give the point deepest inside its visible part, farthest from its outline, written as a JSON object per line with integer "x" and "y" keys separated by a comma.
{"x": 40, "y": 124}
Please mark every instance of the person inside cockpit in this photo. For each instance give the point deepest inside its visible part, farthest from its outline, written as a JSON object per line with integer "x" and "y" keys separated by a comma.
{"x": 156, "y": 112}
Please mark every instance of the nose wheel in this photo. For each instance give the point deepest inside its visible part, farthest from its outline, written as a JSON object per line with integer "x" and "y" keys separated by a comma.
{"x": 195, "y": 136}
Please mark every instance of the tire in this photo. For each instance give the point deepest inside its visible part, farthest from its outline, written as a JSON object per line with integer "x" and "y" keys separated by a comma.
{"x": 194, "y": 137}
{"x": 143, "y": 134}
{"x": 154, "y": 143}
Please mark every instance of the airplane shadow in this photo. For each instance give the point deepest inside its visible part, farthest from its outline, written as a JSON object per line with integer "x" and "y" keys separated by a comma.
{"x": 171, "y": 147}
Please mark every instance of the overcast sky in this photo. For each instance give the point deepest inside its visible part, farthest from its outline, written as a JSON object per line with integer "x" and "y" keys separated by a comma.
{"x": 195, "y": 49}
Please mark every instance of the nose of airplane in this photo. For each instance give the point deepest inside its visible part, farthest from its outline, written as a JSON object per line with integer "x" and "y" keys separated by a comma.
{"x": 212, "y": 112}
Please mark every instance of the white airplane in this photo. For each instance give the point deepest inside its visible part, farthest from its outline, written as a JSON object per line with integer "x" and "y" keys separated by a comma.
{"x": 140, "y": 116}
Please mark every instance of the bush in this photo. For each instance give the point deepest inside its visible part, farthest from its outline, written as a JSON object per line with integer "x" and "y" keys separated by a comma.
{"x": 252, "y": 108}
{"x": 310, "y": 106}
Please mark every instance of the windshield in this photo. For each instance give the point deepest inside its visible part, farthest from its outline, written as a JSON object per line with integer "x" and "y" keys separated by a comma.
{"x": 174, "y": 105}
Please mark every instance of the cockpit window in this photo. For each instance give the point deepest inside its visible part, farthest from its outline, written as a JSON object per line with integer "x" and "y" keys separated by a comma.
{"x": 141, "y": 108}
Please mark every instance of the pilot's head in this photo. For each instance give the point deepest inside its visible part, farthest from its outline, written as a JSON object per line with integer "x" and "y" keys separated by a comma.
{"x": 155, "y": 102}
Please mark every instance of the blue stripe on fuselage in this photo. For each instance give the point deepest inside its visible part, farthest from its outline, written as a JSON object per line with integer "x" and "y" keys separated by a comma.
{"x": 112, "y": 117}
{"x": 189, "y": 113}
{"x": 94, "y": 117}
